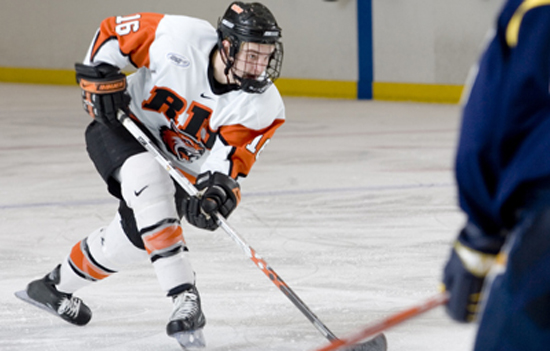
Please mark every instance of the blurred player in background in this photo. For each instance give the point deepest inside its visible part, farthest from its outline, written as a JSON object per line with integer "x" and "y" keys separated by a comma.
{"x": 206, "y": 97}
{"x": 503, "y": 175}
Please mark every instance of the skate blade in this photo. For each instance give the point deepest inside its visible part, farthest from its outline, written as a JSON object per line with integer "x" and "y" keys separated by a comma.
{"x": 379, "y": 343}
{"x": 191, "y": 339}
{"x": 22, "y": 295}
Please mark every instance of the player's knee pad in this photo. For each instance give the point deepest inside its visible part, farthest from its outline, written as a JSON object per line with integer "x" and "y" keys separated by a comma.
{"x": 148, "y": 190}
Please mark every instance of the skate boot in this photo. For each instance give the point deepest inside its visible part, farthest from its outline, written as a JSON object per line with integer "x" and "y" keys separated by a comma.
{"x": 187, "y": 320}
{"x": 43, "y": 294}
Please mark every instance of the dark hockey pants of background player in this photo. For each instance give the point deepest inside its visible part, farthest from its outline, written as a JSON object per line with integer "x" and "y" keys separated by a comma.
{"x": 517, "y": 313}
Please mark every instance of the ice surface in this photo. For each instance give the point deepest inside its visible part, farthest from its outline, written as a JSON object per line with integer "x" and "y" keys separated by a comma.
{"x": 353, "y": 204}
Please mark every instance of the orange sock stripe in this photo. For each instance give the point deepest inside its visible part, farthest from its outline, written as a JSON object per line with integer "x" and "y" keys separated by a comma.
{"x": 163, "y": 239}
{"x": 80, "y": 261}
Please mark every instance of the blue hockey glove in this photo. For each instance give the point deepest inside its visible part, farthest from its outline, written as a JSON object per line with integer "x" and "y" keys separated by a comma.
{"x": 471, "y": 258}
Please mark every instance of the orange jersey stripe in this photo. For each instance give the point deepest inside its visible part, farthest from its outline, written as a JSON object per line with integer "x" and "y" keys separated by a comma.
{"x": 135, "y": 34}
{"x": 163, "y": 239}
{"x": 79, "y": 259}
{"x": 247, "y": 143}
{"x": 189, "y": 177}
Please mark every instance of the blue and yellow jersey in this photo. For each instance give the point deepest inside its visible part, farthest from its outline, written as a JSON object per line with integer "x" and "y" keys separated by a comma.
{"x": 504, "y": 146}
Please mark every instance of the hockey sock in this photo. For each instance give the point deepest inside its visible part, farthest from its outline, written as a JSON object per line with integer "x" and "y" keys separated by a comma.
{"x": 168, "y": 253}
{"x": 70, "y": 281}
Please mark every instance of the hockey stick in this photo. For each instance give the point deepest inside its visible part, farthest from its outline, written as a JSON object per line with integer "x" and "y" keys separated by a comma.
{"x": 377, "y": 344}
{"x": 391, "y": 321}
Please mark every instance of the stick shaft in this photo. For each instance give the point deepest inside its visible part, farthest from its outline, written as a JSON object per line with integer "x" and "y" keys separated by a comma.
{"x": 386, "y": 323}
{"x": 143, "y": 139}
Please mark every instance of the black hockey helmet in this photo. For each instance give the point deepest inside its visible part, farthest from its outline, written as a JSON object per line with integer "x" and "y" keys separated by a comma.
{"x": 254, "y": 23}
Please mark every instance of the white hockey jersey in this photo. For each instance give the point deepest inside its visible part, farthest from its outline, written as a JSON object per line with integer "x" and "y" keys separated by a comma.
{"x": 175, "y": 96}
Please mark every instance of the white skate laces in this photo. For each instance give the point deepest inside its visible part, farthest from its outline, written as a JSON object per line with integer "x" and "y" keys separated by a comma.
{"x": 185, "y": 306}
{"x": 69, "y": 307}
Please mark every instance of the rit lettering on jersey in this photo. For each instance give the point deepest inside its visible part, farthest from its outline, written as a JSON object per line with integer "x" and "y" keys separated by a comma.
{"x": 187, "y": 140}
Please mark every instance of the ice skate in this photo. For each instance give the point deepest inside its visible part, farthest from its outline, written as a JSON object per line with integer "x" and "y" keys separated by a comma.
{"x": 43, "y": 294}
{"x": 187, "y": 319}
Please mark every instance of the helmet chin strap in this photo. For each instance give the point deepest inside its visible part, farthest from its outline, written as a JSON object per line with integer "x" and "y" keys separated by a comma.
{"x": 228, "y": 66}
{"x": 236, "y": 78}
{"x": 239, "y": 80}
{"x": 227, "y": 69}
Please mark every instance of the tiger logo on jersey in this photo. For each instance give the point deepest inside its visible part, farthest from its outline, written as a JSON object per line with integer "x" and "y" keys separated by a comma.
{"x": 181, "y": 144}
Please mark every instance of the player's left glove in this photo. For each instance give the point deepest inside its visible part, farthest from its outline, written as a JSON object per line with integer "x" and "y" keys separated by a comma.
{"x": 472, "y": 256}
{"x": 103, "y": 91}
{"x": 219, "y": 193}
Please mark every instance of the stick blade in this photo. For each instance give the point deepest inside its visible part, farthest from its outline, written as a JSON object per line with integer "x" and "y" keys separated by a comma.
{"x": 379, "y": 343}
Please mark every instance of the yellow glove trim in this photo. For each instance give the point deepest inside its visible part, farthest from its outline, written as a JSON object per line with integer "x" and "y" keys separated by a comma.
{"x": 477, "y": 263}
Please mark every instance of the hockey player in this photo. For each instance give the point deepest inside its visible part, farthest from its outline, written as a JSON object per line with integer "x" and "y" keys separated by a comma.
{"x": 206, "y": 97}
{"x": 503, "y": 175}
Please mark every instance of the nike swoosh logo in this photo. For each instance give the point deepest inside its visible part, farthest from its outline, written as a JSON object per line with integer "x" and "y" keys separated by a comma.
{"x": 206, "y": 97}
{"x": 138, "y": 193}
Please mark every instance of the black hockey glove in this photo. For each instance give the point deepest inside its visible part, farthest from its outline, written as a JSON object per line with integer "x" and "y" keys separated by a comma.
{"x": 103, "y": 91}
{"x": 472, "y": 256}
{"x": 219, "y": 194}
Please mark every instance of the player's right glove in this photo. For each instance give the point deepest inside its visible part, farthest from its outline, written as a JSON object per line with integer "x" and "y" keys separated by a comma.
{"x": 219, "y": 193}
{"x": 103, "y": 91}
{"x": 472, "y": 256}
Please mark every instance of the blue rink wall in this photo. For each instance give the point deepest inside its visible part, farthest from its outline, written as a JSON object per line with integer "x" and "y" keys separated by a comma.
{"x": 347, "y": 49}
{"x": 364, "y": 49}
